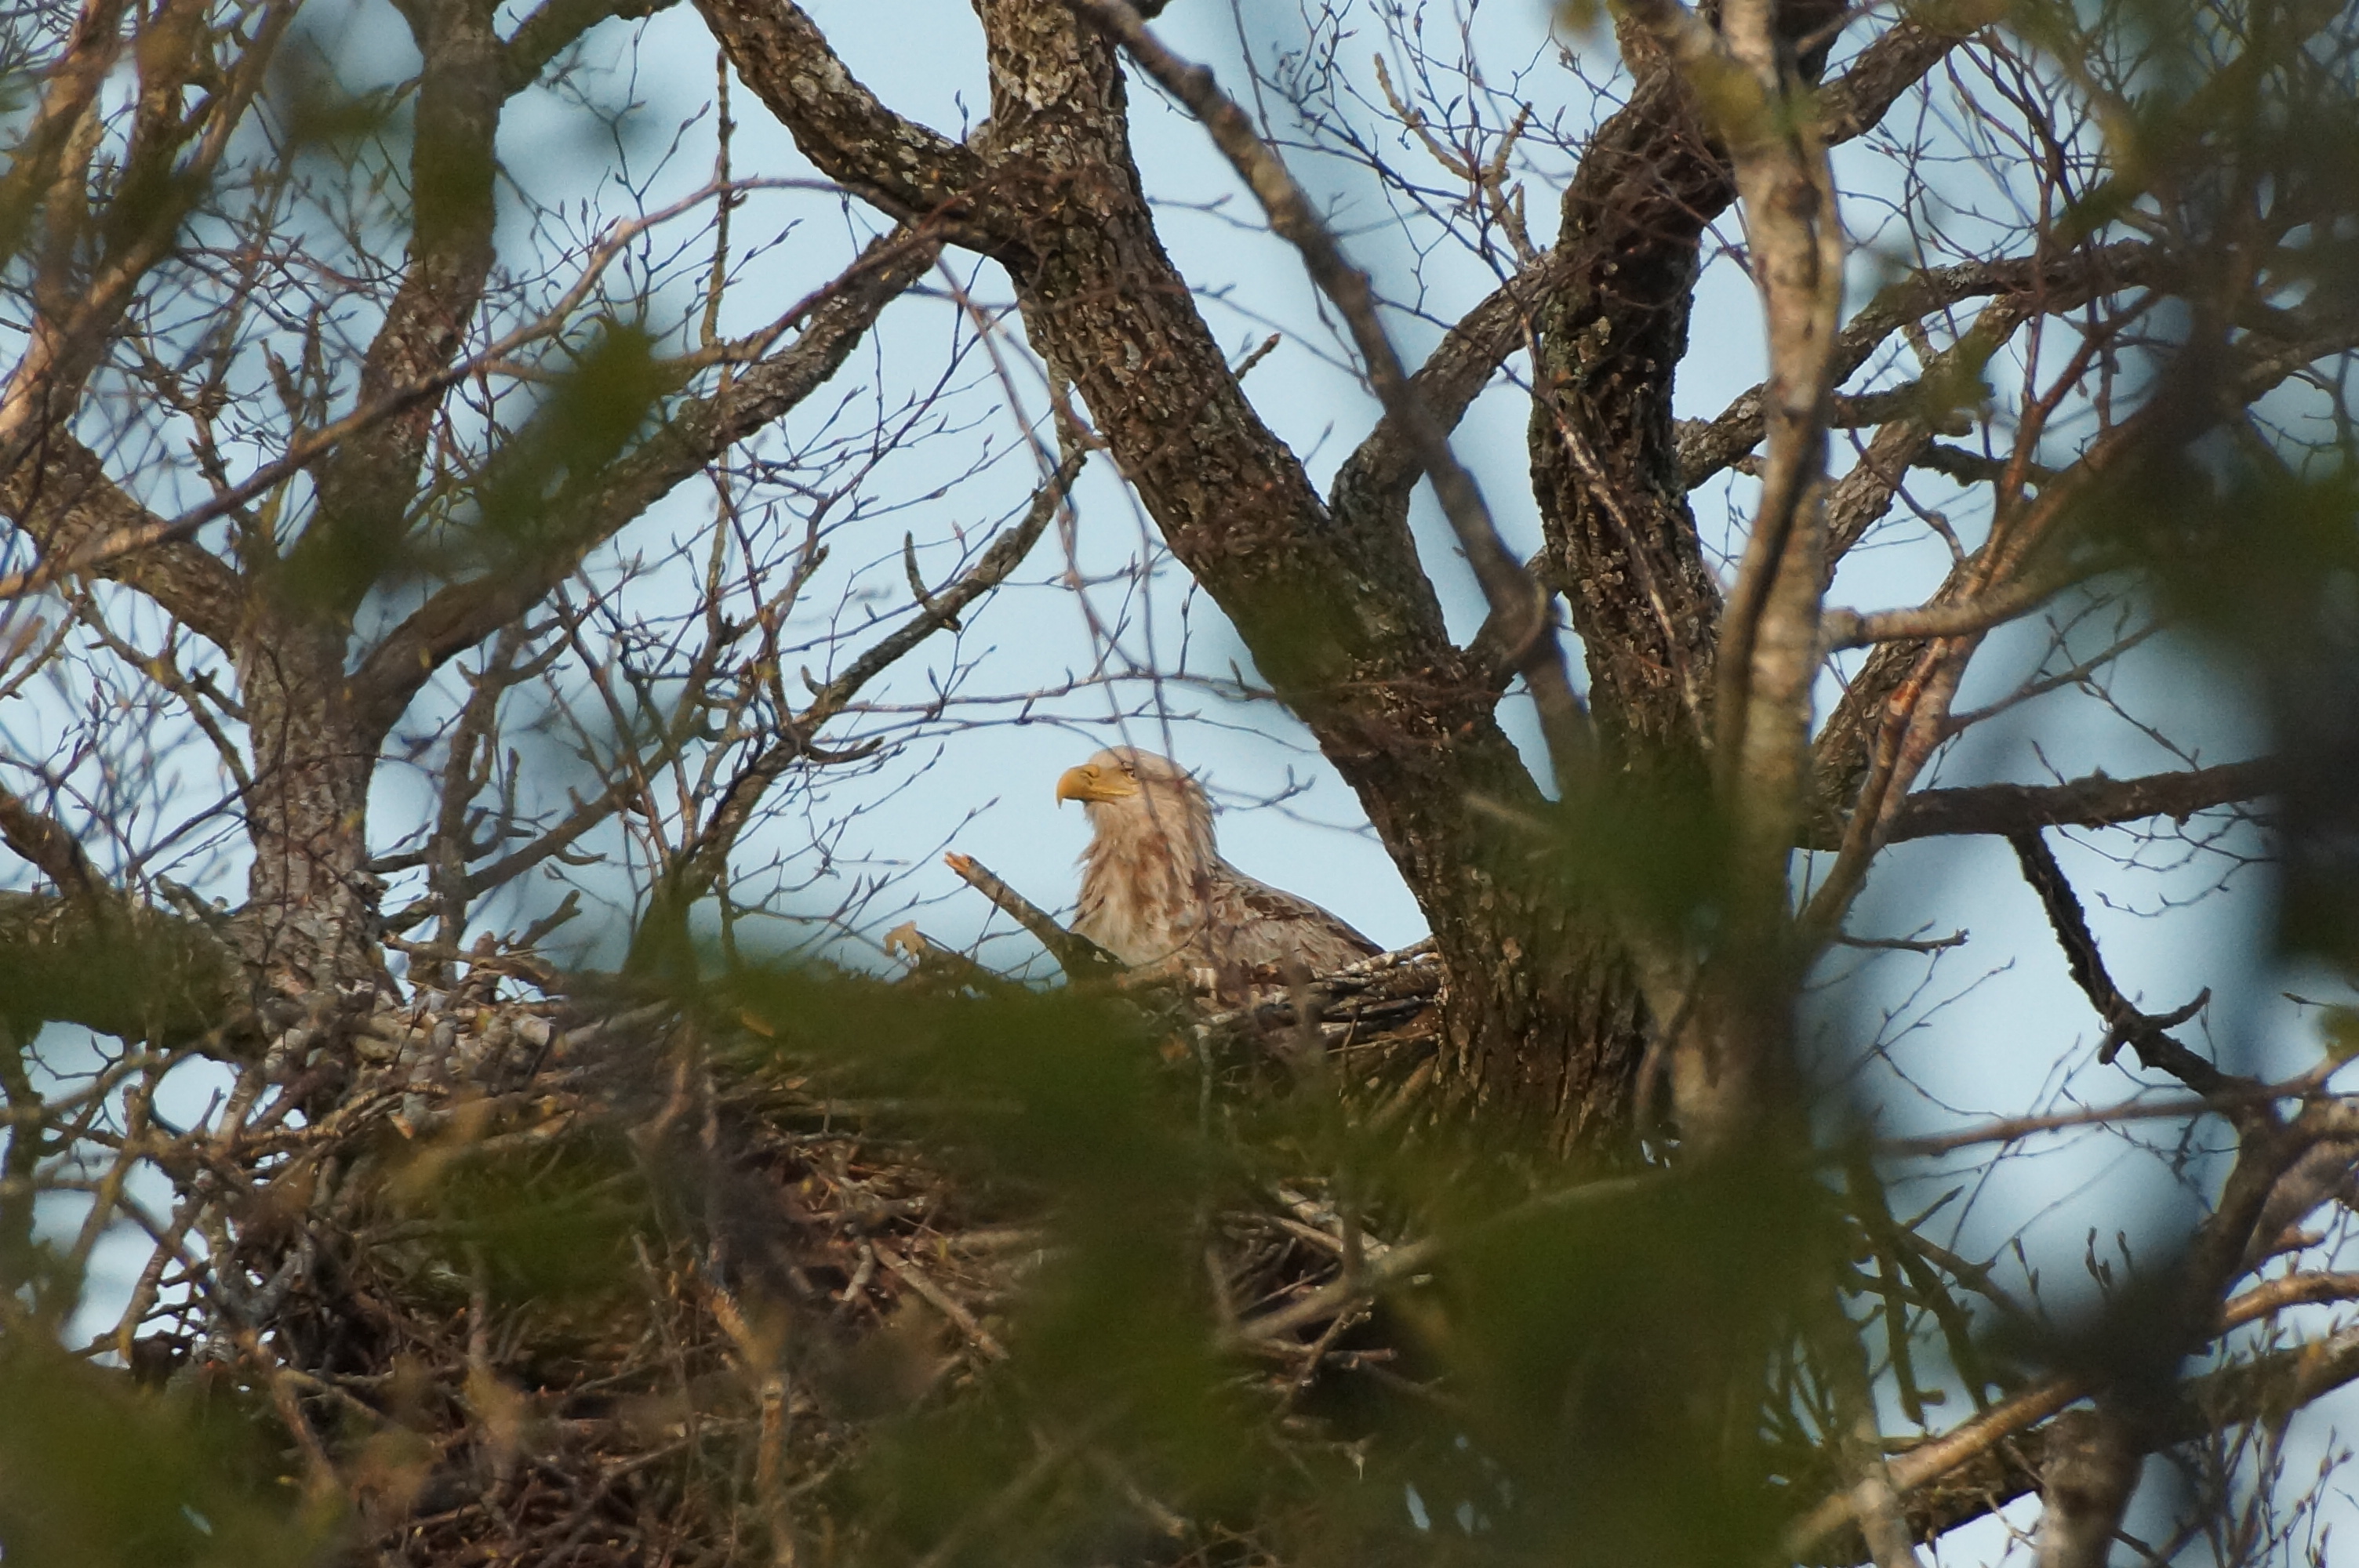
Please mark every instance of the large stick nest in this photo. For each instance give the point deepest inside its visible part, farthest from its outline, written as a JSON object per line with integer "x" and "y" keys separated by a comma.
{"x": 543, "y": 1282}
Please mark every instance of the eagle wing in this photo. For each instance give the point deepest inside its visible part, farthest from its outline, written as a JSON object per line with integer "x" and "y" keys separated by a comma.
{"x": 1263, "y": 930}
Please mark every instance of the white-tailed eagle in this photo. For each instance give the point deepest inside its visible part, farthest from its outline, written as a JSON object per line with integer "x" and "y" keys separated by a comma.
{"x": 1157, "y": 894}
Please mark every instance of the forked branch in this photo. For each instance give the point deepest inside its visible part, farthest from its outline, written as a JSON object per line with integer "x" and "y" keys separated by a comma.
{"x": 1520, "y": 606}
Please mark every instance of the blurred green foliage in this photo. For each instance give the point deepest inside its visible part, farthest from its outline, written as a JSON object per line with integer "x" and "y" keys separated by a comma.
{"x": 95, "y": 1472}
{"x": 1570, "y": 1381}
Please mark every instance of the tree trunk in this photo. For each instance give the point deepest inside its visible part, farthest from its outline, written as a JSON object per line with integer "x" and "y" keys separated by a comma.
{"x": 310, "y": 924}
{"x": 1622, "y": 543}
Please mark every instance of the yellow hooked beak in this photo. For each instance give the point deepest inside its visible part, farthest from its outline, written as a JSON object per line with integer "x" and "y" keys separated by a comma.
{"x": 1090, "y": 782}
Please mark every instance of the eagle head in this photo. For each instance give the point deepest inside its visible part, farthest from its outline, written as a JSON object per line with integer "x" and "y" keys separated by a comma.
{"x": 1124, "y": 775}
{"x": 1147, "y": 805}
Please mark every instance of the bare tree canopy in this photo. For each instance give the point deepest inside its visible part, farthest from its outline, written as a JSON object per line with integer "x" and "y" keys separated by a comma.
{"x": 513, "y": 520}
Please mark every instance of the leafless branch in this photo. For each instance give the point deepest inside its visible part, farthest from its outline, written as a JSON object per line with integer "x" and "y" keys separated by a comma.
{"x": 1080, "y": 958}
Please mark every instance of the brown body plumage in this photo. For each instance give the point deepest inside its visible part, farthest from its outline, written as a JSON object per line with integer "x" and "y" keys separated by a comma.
{"x": 1157, "y": 894}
